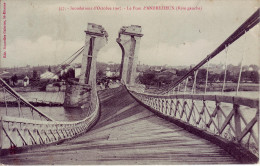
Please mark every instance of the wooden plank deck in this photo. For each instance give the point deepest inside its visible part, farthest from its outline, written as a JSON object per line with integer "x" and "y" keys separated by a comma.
{"x": 127, "y": 133}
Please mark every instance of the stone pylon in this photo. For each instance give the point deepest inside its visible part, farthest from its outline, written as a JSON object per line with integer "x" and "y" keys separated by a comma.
{"x": 83, "y": 93}
{"x": 129, "y": 41}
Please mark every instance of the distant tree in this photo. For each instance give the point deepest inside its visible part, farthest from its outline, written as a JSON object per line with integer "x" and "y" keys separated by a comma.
{"x": 147, "y": 78}
{"x": 14, "y": 79}
{"x": 201, "y": 76}
{"x": 181, "y": 72}
{"x": 69, "y": 74}
{"x": 35, "y": 74}
{"x": 6, "y": 80}
{"x": 62, "y": 76}
{"x": 100, "y": 73}
{"x": 246, "y": 76}
{"x": 234, "y": 78}
{"x": 222, "y": 75}
{"x": 49, "y": 69}
{"x": 213, "y": 77}
{"x": 254, "y": 76}
{"x": 233, "y": 69}
{"x": 254, "y": 67}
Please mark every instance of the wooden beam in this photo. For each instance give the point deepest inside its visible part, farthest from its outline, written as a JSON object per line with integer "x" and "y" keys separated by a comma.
{"x": 226, "y": 122}
{"x": 237, "y": 120}
{"x": 248, "y": 127}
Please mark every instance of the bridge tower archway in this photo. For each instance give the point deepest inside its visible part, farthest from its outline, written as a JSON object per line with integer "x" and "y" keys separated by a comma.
{"x": 83, "y": 93}
{"x": 129, "y": 41}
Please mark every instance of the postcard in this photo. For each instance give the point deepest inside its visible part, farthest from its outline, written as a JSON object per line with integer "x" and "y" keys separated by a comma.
{"x": 129, "y": 82}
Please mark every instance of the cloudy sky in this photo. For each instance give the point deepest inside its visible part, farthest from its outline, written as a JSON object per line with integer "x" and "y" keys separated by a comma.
{"x": 39, "y": 34}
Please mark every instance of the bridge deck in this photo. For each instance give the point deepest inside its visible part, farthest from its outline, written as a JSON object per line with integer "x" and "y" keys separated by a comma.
{"x": 127, "y": 133}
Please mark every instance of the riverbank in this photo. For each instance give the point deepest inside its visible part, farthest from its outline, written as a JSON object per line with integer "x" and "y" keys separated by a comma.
{"x": 229, "y": 87}
{"x": 211, "y": 87}
{"x": 38, "y": 89}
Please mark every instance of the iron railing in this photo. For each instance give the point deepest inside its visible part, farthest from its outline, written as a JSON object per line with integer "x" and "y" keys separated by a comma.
{"x": 235, "y": 119}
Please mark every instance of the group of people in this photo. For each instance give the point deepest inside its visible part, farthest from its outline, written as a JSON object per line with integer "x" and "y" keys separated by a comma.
{"x": 107, "y": 83}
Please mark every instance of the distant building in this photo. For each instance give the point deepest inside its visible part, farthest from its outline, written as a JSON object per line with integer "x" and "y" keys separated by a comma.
{"x": 110, "y": 73}
{"x": 77, "y": 71}
{"x": 6, "y": 76}
{"x": 22, "y": 80}
{"x": 48, "y": 76}
{"x": 26, "y": 81}
{"x": 142, "y": 68}
{"x": 169, "y": 75}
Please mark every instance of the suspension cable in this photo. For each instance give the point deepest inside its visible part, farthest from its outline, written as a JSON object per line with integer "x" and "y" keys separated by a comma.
{"x": 185, "y": 87}
{"x": 207, "y": 75}
{"x": 68, "y": 63}
{"x": 5, "y": 101}
{"x": 76, "y": 54}
{"x": 75, "y": 57}
{"x": 193, "y": 90}
{"x": 71, "y": 56}
{"x": 64, "y": 64}
{"x": 241, "y": 66}
{"x": 19, "y": 106}
{"x": 225, "y": 72}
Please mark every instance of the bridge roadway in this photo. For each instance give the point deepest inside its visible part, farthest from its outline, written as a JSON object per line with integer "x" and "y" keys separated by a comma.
{"x": 127, "y": 133}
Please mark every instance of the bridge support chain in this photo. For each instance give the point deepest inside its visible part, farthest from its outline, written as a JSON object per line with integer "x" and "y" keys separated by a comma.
{"x": 129, "y": 41}
{"x": 79, "y": 93}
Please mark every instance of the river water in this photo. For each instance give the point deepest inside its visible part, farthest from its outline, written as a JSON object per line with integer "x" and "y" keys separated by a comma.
{"x": 57, "y": 113}
{"x": 71, "y": 114}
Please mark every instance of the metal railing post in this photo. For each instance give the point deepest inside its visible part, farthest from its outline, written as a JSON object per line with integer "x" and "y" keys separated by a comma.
{"x": 237, "y": 121}
{"x": 219, "y": 116}
{"x": 1, "y": 132}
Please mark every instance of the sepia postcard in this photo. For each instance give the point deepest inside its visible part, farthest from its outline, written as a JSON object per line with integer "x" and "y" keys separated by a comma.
{"x": 133, "y": 82}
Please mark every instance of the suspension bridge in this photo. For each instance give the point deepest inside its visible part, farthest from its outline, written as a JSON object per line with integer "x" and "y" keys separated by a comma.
{"x": 129, "y": 124}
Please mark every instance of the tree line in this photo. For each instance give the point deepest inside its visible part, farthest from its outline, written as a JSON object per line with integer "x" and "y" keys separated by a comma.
{"x": 151, "y": 77}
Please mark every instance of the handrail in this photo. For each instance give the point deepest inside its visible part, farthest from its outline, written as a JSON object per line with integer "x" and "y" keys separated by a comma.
{"x": 22, "y": 132}
{"x": 196, "y": 110}
{"x": 37, "y": 122}
{"x": 252, "y": 103}
{"x": 19, "y": 132}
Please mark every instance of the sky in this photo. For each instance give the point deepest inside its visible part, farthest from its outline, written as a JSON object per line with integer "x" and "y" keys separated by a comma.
{"x": 38, "y": 33}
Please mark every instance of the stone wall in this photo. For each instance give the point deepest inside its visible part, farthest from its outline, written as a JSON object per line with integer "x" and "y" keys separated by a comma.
{"x": 77, "y": 95}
